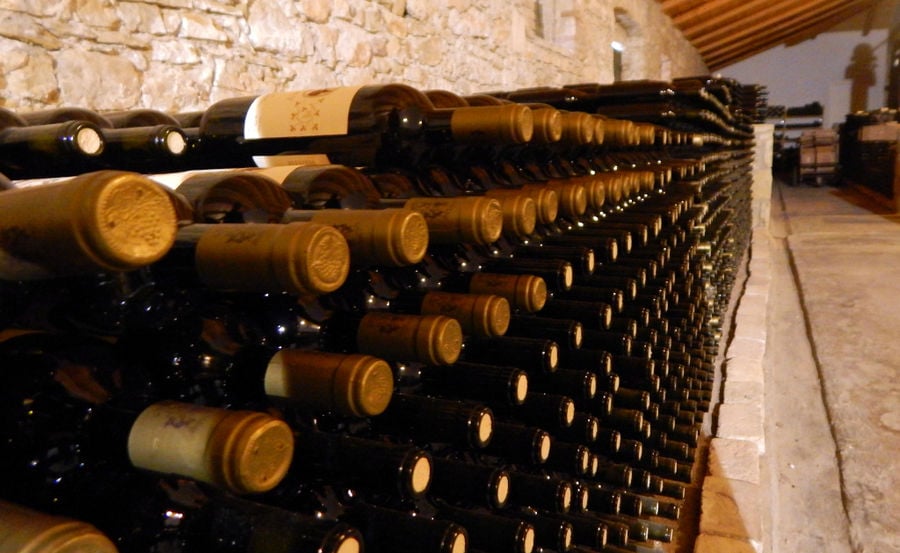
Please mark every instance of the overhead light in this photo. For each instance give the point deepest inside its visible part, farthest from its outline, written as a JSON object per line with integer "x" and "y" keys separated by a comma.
{"x": 617, "y": 46}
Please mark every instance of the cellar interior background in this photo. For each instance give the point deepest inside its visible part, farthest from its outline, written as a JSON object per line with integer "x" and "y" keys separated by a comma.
{"x": 803, "y": 454}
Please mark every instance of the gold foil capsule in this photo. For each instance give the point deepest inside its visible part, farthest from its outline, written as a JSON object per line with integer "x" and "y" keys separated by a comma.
{"x": 100, "y": 221}
{"x": 242, "y": 451}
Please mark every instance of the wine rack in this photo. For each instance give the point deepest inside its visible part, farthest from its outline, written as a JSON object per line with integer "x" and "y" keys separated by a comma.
{"x": 559, "y": 408}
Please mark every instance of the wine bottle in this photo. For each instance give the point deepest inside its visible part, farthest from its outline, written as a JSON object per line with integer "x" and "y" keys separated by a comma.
{"x": 580, "y": 385}
{"x": 550, "y": 411}
{"x": 591, "y": 314}
{"x": 487, "y": 162}
{"x": 494, "y": 385}
{"x": 596, "y": 361}
{"x": 558, "y": 274}
{"x": 567, "y": 333}
{"x": 281, "y": 321}
{"x": 569, "y": 458}
{"x": 375, "y": 236}
{"x": 24, "y": 529}
{"x": 585, "y": 429}
{"x": 525, "y": 293}
{"x": 616, "y": 343}
{"x": 542, "y": 492}
{"x": 387, "y": 237}
{"x": 297, "y": 258}
{"x": 366, "y": 465}
{"x": 533, "y": 355}
{"x": 469, "y": 484}
{"x": 211, "y": 364}
{"x": 127, "y": 146}
{"x": 550, "y": 533}
{"x": 428, "y": 419}
{"x": 142, "y": 149}
{"x": 546, "y": 201}
{"x": 518, "y": 443}
{"x": 50, "y": 150}
{"x": 72, "y": 407}
{"x": 102, "y": 221}
{"x": 388, "y": 530}
{"x": 230, "y": 196}
{"x": 382, "y": 125}
{"x": 139, "y": 117}
{"x": 490, "y": 531}
{"x": 587, "y": 530}
{"x": 145, "y": 513}
{"x": 481, "y": 315}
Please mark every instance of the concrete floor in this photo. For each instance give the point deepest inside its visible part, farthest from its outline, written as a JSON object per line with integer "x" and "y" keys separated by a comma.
{"x": 832, "y": 404}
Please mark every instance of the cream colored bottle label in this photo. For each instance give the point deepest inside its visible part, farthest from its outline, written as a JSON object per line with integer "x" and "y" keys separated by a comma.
{"x": 320, "y": 112}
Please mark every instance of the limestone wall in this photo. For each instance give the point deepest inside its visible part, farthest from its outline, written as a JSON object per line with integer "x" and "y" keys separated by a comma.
{"x": 179, "y": 55}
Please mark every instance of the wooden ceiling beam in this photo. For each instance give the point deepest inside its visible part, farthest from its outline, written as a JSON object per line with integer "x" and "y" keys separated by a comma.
{"x": 718, "y": 58}
{"x": 751, "y": 14}
{"x": 764, "y": 23}
{"x": 675, "y": 7}
{"x": 838, "y": 17}
{"x": 697, "y": 15}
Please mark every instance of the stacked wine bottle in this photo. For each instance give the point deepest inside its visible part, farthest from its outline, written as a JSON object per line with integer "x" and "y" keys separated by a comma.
{"x": 368, "y": 318}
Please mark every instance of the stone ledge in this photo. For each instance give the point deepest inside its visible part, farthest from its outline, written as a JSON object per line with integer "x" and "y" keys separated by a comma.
{"x": 751, "y": 323}
{"x": 741, "y": 421}
{"x": 743, "y": 391}
{"x": 730, "y": 508}
{"x": 734, "y": 459}
{"x": 744, "y": 369}
{"x": 746, "y": 347}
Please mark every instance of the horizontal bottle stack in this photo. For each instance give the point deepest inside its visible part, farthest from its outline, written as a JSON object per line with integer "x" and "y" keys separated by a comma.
{"x": 489, "y": 324}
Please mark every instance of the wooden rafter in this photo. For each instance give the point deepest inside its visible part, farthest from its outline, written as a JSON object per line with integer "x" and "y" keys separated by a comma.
{"x": 762, "y": 24}
{"x": 819, "y": 21}
{"x": 711, "y": 15}
{"x": 673, "y": 8}
{"x": 752, "y": 15}
{"x": 725, "y": 31}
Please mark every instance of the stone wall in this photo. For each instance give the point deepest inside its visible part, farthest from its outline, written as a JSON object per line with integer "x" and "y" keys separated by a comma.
{"x": 181, "y": 55}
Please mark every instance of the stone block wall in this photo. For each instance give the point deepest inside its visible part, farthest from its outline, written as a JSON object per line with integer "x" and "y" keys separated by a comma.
{"x": 181, "y": 55}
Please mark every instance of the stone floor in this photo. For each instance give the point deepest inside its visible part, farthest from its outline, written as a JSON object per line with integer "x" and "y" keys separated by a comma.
{"x": 831, "y": 467}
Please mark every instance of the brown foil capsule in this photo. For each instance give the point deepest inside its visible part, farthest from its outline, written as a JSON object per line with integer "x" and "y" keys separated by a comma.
{"x": 612, "y": 186}
{"x": 599, "y": 130}
{"x": 24, "y": 530}
{"x": 101, "y": 221}
{"x": 472, "y": 219}
{"x": 299, "y": 258}
{"x": 511, "y": 123}
{"x": 546, "y": 201}
{"x": 524, "y": 292}
{"x": 572, "y": 197}
{"x": 391, "y": 237}
{"x": 477, "y": 314}
{"x": 348, "y": 384}
{"x": 618, "y": 132}
{"x": 646, "y": 133}
{"x": 242, "y": 451}
{"x": 594, "y": 190}
{"x": 548, "y": 124}
{"x": 519, "y": 214}
{"x": 578, "y": 128}
{"x": 432, "y": 339}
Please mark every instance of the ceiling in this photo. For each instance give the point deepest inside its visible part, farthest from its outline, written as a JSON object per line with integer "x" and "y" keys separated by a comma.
{"x": 727, "y": 31}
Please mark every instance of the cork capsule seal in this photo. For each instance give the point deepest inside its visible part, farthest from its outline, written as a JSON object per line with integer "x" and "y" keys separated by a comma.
{"x": 28, "y": 531}
{"x": 349, "y": 384}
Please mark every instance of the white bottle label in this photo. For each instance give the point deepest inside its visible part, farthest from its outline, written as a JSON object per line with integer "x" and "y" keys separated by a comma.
{"x": 320, "y": 112}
